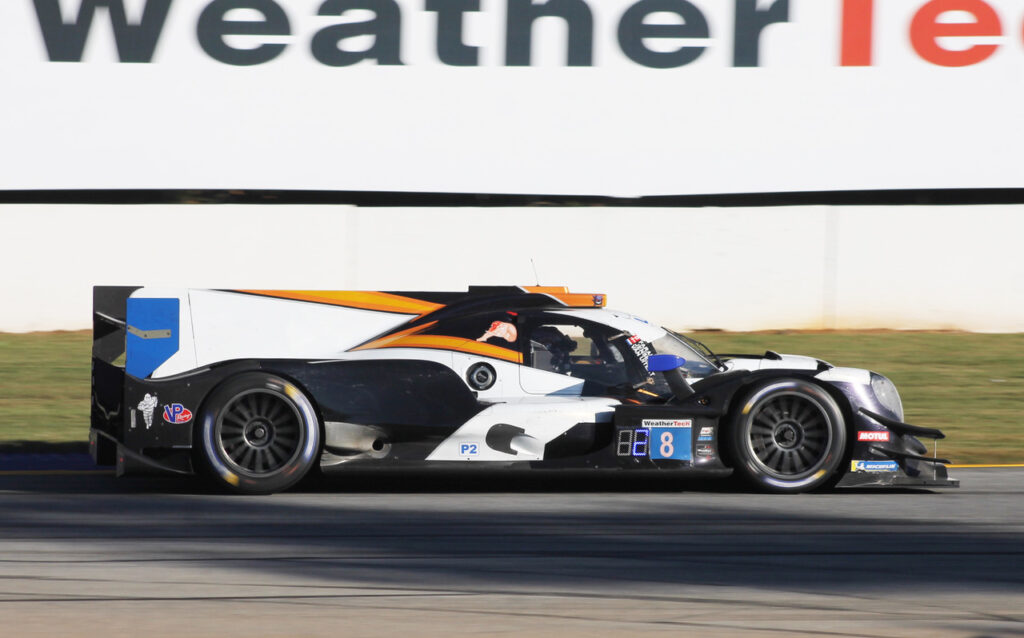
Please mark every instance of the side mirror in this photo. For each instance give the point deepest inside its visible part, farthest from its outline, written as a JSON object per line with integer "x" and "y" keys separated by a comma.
{"x": 664, "y": 362}
{"x": 670, "y": 364}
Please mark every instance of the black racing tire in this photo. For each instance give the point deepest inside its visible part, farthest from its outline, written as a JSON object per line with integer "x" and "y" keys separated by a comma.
{"x": 787, "y": 436}
{"x": 258, "y": 434}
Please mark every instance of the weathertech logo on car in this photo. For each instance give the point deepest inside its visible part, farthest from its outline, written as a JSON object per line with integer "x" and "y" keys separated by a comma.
{"x": 667, "y": 423}
{"x": 873, "y": 436}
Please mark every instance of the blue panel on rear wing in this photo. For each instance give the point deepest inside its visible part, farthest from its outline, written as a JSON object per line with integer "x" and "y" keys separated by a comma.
{"x": 152, "y": 334}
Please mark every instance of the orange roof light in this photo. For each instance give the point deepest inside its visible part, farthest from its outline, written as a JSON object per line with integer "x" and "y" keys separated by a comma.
{"x": 574, "y": 300}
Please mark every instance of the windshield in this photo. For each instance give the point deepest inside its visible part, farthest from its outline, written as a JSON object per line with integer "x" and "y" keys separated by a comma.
{"x": 697, "y": 364}
{"x": 699, "y": 347}
{"x": 609, "y": 356}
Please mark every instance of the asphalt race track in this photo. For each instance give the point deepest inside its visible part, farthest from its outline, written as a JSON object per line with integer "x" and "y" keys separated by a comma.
{"x": 87, "y": 555}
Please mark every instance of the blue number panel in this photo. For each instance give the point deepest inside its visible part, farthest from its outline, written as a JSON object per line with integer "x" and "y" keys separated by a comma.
{"x": 670, "y": 438}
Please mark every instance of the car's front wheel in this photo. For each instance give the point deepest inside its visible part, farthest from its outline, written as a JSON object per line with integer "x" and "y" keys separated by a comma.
{"x": 259, "y": 434}
{"x": 788, "y": 435}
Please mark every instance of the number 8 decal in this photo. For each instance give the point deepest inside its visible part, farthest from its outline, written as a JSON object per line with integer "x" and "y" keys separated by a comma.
{"x": 672, "y": 440}
{"x": 667, "y": 449}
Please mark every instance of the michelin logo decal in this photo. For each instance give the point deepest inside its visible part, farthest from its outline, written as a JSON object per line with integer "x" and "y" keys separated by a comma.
{"x": 874, "y": 466}
{"x": 146, "y": 406}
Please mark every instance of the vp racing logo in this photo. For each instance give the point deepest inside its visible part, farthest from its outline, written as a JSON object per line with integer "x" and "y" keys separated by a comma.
{"x": 177, "y": 413}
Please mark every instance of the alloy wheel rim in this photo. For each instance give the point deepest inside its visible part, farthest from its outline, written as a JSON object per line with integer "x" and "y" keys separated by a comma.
{"x": 259, "y": 432}
{"x": 789, "y": 435}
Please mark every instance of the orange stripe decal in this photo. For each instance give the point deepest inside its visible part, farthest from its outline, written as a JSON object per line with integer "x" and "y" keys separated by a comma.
{"x": 441, "y": 342}
{"x": 387, "y": 340}
{"x": 364, "y": 300}
{"x": 574, "y": 300}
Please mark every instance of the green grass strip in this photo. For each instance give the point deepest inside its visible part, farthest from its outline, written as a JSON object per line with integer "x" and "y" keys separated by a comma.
{"x": 971, "y": 386}
{"x": 44, "y": 386}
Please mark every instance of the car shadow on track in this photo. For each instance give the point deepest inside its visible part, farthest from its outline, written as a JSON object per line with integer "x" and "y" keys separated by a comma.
{"x": 438, "y": 531}
{"x": 414, "y": 482}
{"x": 381, "y": 482}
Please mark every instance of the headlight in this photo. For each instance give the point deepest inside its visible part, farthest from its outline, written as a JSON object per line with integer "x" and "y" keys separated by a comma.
{"x": 885, "y": 392}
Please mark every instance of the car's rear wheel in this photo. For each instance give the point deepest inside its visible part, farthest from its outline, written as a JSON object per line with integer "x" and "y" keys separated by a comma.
{"x": 259, "y": 434}
{"x": 788, "y": 435}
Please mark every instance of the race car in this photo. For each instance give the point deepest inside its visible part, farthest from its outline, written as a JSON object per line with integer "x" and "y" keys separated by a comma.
{"x": 256, "y": 388}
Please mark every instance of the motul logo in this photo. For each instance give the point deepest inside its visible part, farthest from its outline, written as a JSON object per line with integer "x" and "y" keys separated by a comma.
{"x": 873, "y": 436}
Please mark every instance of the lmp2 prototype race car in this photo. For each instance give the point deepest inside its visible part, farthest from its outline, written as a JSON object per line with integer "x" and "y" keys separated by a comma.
{"x": 255, "y": 388}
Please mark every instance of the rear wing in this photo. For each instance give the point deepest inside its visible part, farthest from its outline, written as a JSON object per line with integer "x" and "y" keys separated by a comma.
{"x": 109, "y": 321}
{"x": 109, "y": 330}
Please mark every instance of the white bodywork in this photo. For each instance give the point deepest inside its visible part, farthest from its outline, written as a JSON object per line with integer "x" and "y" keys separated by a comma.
{"x": 857, "y": 376}
{"x": 217, "y": 326}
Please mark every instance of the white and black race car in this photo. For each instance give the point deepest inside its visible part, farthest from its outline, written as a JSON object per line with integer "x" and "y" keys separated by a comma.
{"x": 255, "y": 388}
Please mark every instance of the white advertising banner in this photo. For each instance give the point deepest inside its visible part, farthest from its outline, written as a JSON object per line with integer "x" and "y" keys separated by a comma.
{"x": 583, "y": 97}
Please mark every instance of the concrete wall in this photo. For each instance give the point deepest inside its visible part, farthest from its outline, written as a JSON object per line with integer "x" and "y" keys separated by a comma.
{"x": 956, "y": 267}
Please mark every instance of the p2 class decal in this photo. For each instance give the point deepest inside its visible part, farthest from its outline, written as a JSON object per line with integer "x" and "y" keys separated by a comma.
{"x": 874, "y": 466}
{"x": 874, "y": 435}
{"x": 670, "y": 438}
{"x": 177, "y": 413}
